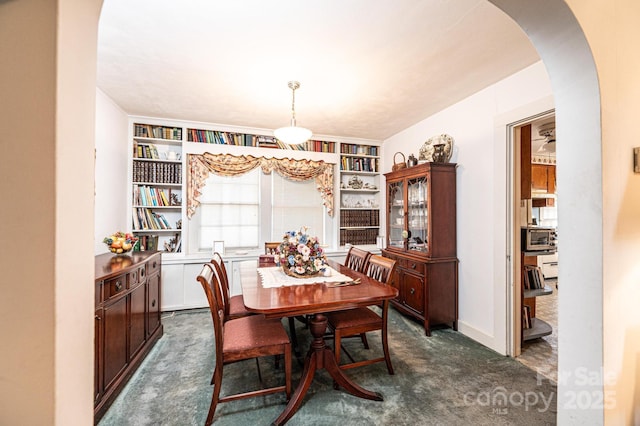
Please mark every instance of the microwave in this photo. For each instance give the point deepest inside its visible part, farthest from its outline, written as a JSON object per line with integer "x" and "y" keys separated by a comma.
{"x": 538, "y": 238}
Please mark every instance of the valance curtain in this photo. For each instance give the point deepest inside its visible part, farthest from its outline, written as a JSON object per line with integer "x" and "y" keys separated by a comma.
{"x": 200, "y": 165}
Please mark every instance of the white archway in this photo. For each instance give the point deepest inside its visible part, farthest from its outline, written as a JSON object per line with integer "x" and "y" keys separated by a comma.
{"x": 556, "y": 34}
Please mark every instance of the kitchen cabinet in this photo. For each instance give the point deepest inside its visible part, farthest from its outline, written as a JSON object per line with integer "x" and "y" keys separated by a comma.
{"x": 421, "y": 238}
{"x": 543, "y": 178}
{"x": 127, "y": 320}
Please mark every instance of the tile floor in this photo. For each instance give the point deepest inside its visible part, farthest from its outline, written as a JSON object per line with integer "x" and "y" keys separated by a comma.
{"x": 541, "y": 354}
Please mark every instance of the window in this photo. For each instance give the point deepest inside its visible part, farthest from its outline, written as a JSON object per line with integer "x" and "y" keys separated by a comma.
{"x": 229, "y": 212}
{"x": 247, "y": 210}
{"x": 295, "y": 204}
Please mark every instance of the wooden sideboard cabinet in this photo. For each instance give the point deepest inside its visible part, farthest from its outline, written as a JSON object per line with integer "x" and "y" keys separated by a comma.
{"x": 421, "y": 238}
{"x": 127, "y": 320}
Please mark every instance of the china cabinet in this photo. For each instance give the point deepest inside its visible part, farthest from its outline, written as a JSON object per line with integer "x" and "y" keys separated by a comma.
{"x": 421, "y": 237}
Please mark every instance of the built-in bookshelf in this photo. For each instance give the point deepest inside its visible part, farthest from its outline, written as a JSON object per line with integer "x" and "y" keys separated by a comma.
{"x": 359, "y": 194}
{"x": 158, "y": 174}
{"x": 157, "y": 169}
{"x": 260, "y": 141}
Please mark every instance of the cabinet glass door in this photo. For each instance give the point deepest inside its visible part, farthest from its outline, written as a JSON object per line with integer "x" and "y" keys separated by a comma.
{"x": 417, "y": 214}
{"x": 396, "y": 215}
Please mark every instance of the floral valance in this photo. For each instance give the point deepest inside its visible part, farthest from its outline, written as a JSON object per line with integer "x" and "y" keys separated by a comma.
{"x": 200, "y": 165}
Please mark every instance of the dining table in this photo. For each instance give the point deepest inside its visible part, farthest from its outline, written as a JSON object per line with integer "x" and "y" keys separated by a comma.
{"x": 267, "y": 290}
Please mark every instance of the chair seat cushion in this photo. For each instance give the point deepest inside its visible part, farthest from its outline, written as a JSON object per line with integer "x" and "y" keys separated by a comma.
{"x": 356, "y": 317}
{"x": 253, "y": 332}
{"x": 237, "y": 308}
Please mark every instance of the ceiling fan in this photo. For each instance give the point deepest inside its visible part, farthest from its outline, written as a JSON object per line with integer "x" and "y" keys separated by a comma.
{"x": 548, "y": 134}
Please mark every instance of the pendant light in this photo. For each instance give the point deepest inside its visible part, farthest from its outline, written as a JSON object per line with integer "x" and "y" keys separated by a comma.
{"x": 293, "y": 135}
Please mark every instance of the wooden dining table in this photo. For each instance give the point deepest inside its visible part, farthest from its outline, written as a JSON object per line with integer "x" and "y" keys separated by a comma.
{"x": 314, "y": 300}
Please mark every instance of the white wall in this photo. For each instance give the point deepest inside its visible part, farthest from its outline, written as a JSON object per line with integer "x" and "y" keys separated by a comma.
{"x": 111, "y": 187}
{"x": 481, "y": 193}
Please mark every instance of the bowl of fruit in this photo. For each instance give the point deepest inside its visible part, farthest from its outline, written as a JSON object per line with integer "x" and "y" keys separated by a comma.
{"x": 120, "y": 243}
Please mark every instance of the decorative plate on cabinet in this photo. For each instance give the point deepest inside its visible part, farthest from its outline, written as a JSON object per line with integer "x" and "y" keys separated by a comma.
{"x": 426, "y": 151}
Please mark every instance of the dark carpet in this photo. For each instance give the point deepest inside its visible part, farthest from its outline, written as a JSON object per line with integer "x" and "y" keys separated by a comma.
{"x": 445, "y": 379}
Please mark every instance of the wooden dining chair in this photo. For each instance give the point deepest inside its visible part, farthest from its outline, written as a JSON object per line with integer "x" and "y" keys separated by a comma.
{"x": 361, "y": 320}
{"x": 241, "y": 339}
{"x": 234, "y": 305}
{"x": 271, "y": 247}
{"x": 357, "y": 259}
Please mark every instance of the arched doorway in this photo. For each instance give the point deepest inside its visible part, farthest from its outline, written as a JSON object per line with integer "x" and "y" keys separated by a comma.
{"x": 554, "y": 31}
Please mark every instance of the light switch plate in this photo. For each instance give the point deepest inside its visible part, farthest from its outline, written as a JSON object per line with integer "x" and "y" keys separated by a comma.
{"x": 636, "y": 160}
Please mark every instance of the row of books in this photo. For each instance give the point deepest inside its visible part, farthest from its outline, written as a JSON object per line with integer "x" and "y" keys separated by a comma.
{"x": 526, "y": 317}
{"x": 151, "y": 196}
{"x": 158, "y": 132}
{"x": 359, "y": 218}
{"x": 159, "y": 172}
{"x": 354, "y": 149}
{"x": 359, "y": 164}
{"x": 223, "y": 138}
{"x": 358, "y": 236}
{"x": 533, "y": 278}
{"x": 144, "y": 218}
{"x": 147, "y": 243}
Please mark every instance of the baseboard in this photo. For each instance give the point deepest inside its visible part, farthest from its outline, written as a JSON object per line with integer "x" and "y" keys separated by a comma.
{"x": 480, "y": 337}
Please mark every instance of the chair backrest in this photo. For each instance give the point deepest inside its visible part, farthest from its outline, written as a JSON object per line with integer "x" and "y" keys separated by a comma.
{"x": 380, "y": 268}
{"x": 357, "y": 259}
{"x": 211, "y": 287}
{"x": 271, "y": 247}
{"x": 217, "y": 264}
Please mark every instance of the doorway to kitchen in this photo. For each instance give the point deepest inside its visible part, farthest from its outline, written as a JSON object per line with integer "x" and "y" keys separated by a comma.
{"x": 535, "y": 244}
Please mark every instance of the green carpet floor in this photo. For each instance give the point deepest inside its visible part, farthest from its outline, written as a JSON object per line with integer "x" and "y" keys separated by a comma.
{"x": 445, "y": 379}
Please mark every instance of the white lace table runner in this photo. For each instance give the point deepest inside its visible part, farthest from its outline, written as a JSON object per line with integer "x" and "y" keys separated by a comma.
{"x": 274, "y": 277}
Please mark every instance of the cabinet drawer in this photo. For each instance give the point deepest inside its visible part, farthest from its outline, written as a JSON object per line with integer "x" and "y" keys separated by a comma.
{"x": 411, "y": 265}
{"x": 115, "y": 286}
{"x": 137, "y": 276}
{"x": 153, "y": 265}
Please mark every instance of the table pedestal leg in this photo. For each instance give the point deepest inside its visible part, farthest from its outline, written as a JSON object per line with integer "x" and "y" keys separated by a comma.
{"x": 319, "y": 357}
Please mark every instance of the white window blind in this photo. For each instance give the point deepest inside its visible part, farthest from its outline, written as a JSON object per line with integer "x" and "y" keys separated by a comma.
{"x": 295, "y": 204}
{"x": 230, "y": 211}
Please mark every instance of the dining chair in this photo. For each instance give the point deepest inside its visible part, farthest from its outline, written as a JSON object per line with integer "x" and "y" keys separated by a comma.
{"x": 357, "y": 259}
{"x": 271, "y": 247}
{"x": 234, "y": 305}
{"x": 361, "y": 320}
{"x": 241, "y": 339}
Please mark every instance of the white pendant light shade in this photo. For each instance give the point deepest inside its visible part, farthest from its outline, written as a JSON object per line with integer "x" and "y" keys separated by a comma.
{"x": 292, "y": 135}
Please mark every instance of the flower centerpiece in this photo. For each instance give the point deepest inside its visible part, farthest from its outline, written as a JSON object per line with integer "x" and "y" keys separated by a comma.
{"x": 300, "y": 255}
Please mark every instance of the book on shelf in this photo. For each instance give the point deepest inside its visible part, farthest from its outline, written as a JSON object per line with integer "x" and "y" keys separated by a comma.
{"x": 533, "y": 277}
{"x": 526, "y": 317}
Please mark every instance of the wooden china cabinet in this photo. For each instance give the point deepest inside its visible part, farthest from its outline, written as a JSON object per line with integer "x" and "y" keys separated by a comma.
{"x": 421, "y": 237}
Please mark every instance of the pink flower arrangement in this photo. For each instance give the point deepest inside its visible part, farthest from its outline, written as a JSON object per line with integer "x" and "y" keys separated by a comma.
{"x": 300, "y": 254}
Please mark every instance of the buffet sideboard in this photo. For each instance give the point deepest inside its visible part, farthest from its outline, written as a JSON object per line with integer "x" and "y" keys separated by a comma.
{"x": 127, "y": 320}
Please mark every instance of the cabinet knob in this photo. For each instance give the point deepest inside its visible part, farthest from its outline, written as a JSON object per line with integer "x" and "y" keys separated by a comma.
{"x": 153, "y": 303}
{"x": 155, "y": 264}
{"x": 413, "y": 290}
{"x": 142, "y": 273}
{"x": 98, "y": 318}
{"x": 118, "y": 286}
{"x": 413, "y": 266}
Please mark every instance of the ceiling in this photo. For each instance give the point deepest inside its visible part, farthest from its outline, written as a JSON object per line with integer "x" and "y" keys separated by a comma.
{"x": 367, "y": 69}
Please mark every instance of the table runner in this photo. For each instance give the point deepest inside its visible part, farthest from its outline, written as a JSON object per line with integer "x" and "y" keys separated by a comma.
{"x": 274, "y": 277}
